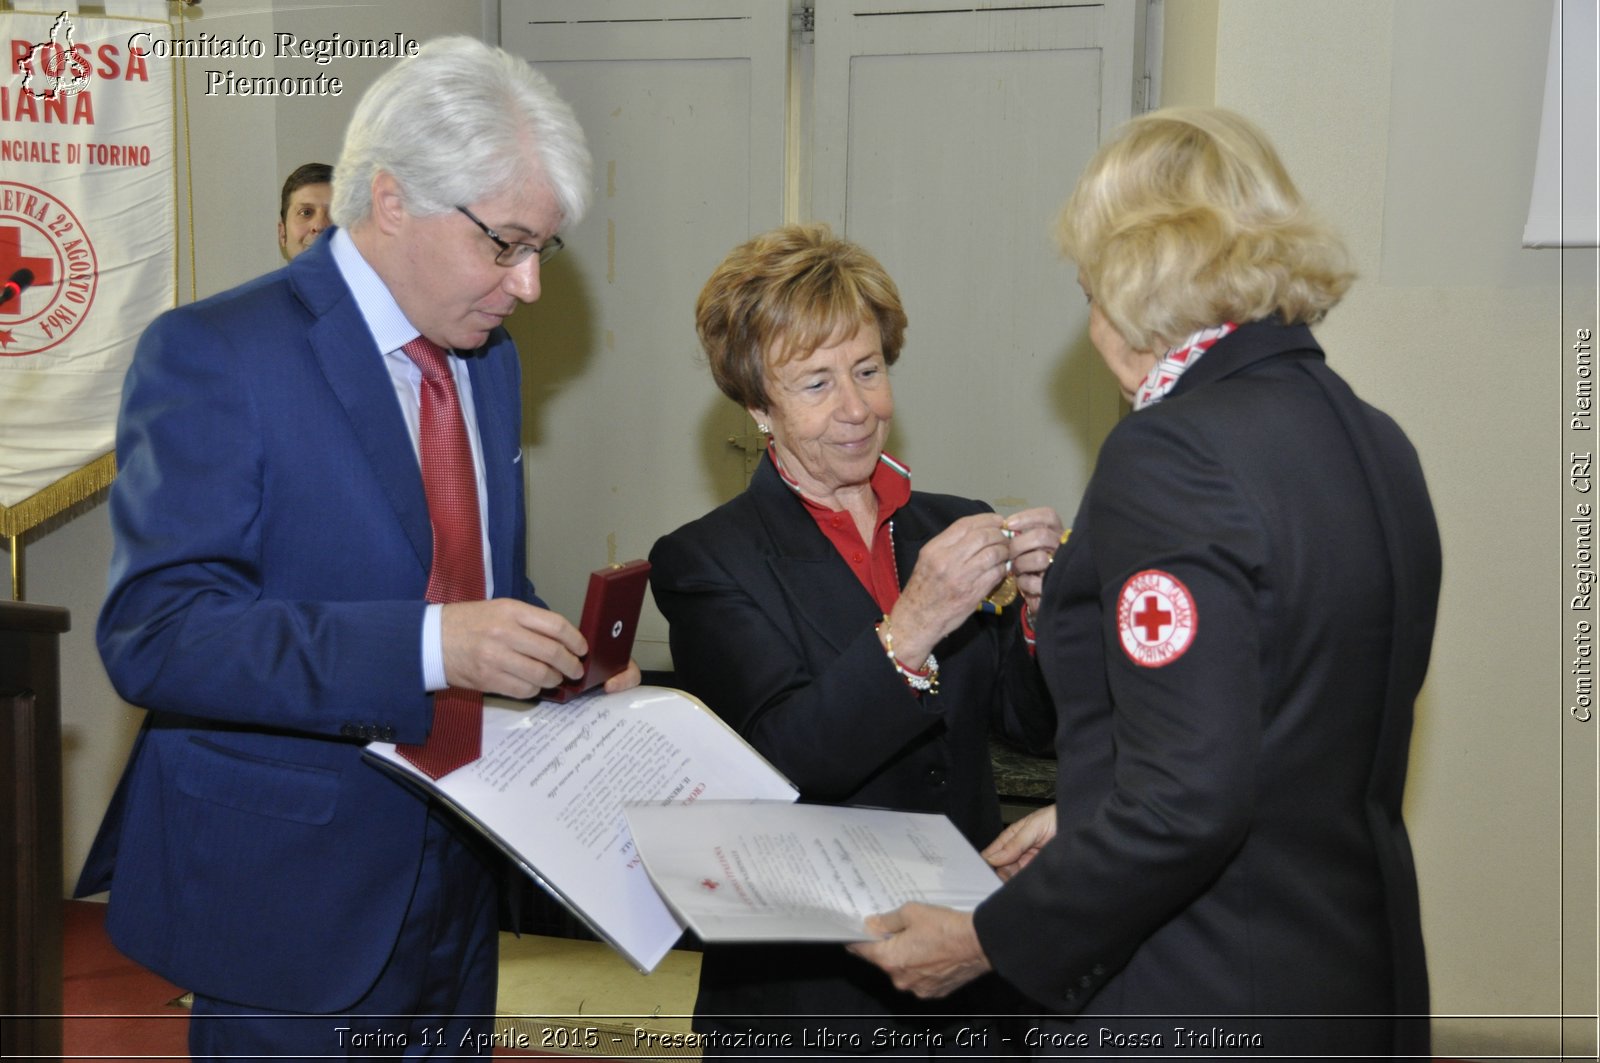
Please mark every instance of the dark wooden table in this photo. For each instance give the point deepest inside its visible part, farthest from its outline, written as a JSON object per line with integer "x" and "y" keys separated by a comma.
{"x": 30, "y": 827}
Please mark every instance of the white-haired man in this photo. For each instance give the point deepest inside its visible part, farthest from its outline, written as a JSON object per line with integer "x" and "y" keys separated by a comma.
{"x": 320, "y": 541}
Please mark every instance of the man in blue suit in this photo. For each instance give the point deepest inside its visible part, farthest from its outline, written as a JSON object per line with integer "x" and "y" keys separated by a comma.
{"x": 273, "y": 554}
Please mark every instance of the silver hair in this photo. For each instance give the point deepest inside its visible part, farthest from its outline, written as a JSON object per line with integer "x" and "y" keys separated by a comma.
{"x": 457, "y": 123}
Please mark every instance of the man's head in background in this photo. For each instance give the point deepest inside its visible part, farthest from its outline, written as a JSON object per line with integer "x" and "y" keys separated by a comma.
{"x": 303, "y": 207}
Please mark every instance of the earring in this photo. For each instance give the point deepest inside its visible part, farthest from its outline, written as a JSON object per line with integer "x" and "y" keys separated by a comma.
{"x": 763, "y": 429}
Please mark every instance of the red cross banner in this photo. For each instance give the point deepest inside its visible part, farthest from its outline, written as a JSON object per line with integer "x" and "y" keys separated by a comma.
{"x": 87, "y": 246}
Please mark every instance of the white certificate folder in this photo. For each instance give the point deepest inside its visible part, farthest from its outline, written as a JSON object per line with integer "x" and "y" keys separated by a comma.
{"x": 552, "y": 783}
{"x": 768, "y": 871}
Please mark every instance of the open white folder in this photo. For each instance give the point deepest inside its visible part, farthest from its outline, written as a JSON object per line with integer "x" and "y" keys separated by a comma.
{"x": 774, "y": 871}
{"x": 550, "y": 788}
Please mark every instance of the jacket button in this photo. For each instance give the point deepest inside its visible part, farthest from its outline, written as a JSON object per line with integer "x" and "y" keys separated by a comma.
{"x": 348, "y": 730}
{"x": 387, "y": 734}
{"x": 936, "y": 776}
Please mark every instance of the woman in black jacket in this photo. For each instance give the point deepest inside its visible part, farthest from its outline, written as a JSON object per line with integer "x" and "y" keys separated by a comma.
{"x": 841, "y": 622}
{"x": 1233, "y": 637}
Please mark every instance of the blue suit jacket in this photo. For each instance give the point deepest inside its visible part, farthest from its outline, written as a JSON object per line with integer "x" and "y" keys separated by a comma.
{"x": 266, "y": 603}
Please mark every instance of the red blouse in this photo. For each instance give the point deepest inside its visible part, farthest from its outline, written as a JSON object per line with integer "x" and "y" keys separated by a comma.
{"x": 874, "y": 566}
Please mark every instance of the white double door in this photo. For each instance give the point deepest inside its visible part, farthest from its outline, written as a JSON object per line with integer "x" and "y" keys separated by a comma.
{"x": 942, "y": 141}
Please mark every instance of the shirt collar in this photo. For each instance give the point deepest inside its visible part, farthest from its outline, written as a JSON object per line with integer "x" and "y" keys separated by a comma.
{"x": 385, "y": 320}
{"x": 891, "y": 482}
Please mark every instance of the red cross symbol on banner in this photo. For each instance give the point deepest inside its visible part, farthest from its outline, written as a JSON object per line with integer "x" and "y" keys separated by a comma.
{"x": 12, "y": 259}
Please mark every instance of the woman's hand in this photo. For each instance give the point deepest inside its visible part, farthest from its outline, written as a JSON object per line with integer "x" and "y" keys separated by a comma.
{"x": 955, "y": 570}
{"x": 924, "y": 949}
{"x": 1035, "y": 537}
{"x": 1019, "y": 843}
{"x": 626, "y": 679}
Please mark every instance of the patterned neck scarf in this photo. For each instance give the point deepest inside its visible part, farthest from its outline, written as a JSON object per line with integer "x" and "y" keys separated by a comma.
{"x": 1170, "y": 366}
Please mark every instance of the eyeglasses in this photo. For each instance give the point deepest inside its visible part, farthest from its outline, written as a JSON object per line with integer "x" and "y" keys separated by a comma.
{"x": 512, "y": 253}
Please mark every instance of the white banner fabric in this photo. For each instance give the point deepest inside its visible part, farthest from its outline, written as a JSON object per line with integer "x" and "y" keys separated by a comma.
{"x": 87, "y": 211}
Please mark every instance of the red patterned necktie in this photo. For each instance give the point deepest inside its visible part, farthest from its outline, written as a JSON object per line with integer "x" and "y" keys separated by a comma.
{"x": 457, "y": 576}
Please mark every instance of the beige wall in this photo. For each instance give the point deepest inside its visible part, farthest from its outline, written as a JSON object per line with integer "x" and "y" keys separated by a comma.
{"x": 1410, "y": 124}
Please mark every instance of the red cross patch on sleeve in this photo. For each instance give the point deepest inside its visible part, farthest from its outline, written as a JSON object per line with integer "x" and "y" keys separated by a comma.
{"x": 1156, "y": 618}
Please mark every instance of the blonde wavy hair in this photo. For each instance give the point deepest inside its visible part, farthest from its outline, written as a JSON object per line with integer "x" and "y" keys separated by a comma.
{"x": 782, "y": 295}
{"x": 1185, "y": 219}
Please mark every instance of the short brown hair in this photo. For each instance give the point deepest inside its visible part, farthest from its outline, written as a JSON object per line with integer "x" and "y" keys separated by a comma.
{"x": 1187, "y": 218}
{"x": 307, "y": 173}
{"x": 782, "y": 295}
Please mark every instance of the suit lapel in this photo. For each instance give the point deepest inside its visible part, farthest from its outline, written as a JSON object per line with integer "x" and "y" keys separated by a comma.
{"x": 354, "y": 369}
{"x": 911, "y": 534}
{"x": 501, "y": 458}
{"x": 818, "y": 586}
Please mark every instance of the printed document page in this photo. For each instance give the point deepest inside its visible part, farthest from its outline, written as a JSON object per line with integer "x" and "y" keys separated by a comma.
{"x": 769, "y": 871}
{"x": 550, "y": 787}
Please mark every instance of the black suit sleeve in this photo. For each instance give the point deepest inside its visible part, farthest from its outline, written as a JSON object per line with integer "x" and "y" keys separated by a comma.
{"x": 1186, "y": 733}
{"x": 828, "y": 731}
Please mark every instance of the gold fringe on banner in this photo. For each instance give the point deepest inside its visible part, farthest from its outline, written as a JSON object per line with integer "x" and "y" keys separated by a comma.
{"x": 75, "y": 487}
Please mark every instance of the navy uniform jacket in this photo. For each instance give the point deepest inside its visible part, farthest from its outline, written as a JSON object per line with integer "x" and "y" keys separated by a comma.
{"x": 1234, "y": 636}
{"x": 772, "y": 630}
{"x": 267, "y": 591}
